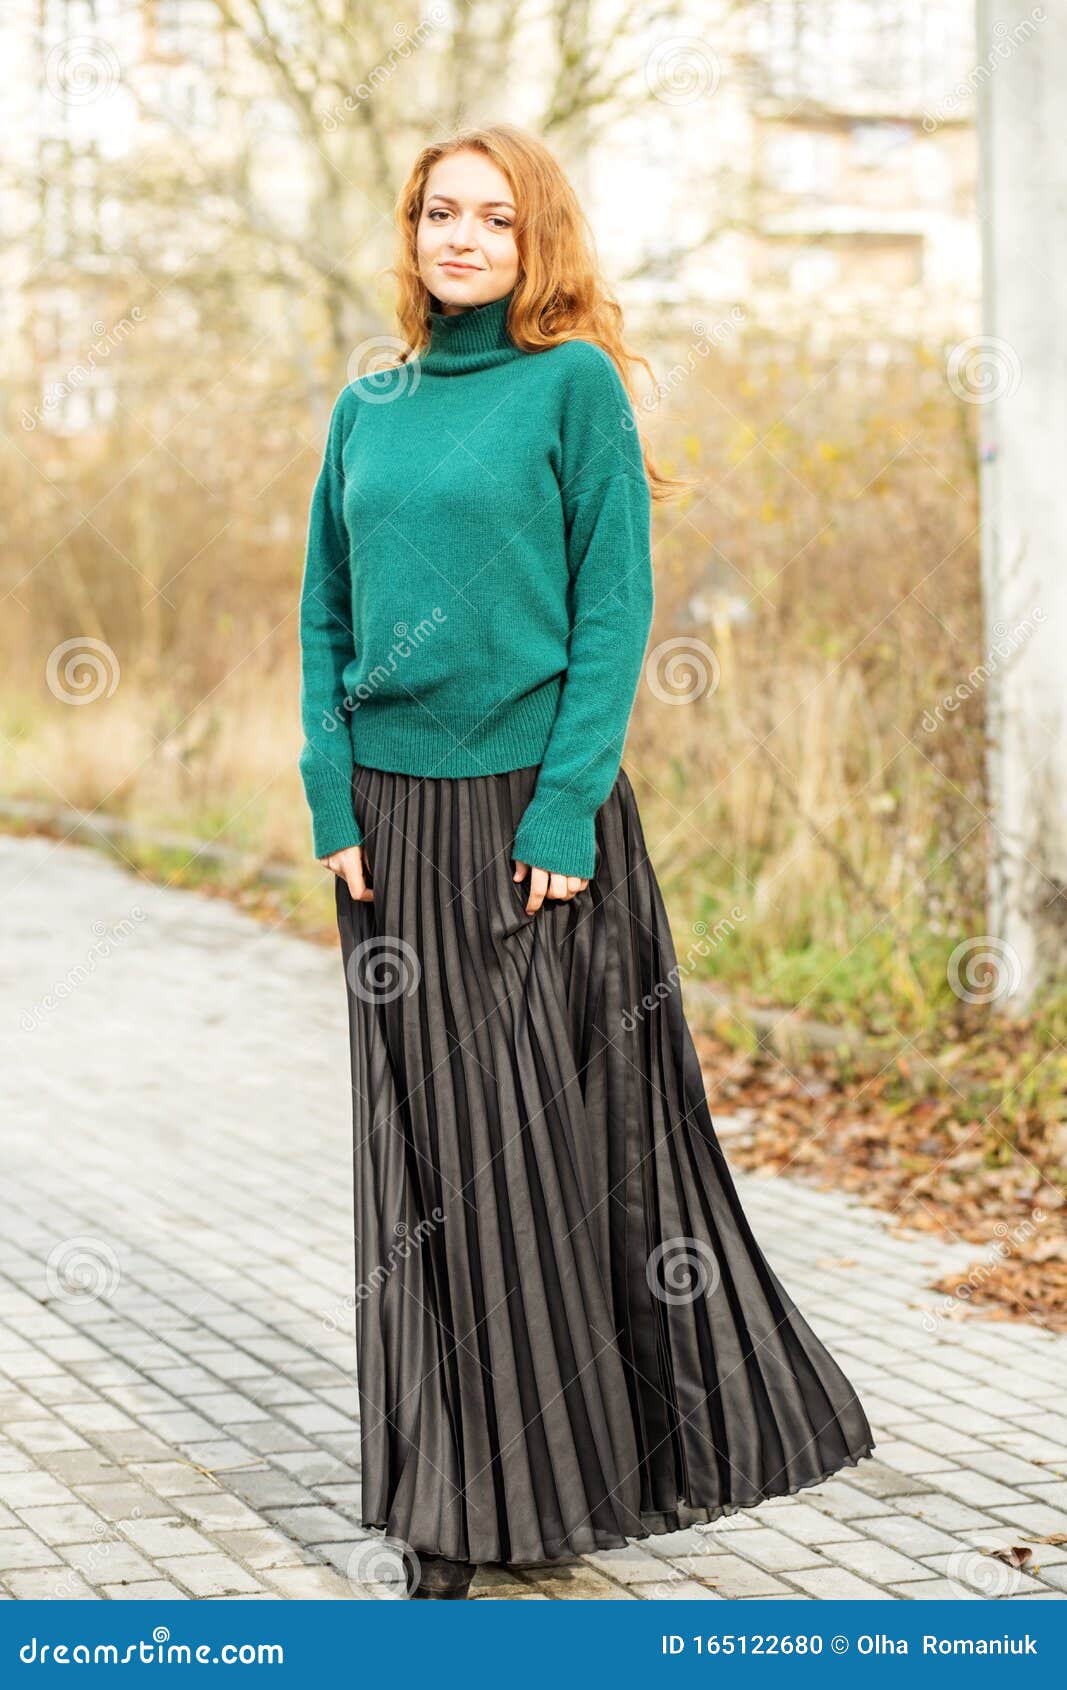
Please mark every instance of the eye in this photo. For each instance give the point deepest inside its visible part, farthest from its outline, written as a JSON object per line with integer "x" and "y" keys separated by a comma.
{"x": 502, "y": 221}
{"x": 438, "y": 211}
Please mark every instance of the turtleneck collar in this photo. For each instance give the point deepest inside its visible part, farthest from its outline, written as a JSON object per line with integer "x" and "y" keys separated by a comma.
{"x": 473, "y": 339}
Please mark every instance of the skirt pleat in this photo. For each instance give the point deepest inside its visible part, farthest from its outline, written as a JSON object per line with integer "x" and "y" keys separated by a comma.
{"x": 566, "y": 1333}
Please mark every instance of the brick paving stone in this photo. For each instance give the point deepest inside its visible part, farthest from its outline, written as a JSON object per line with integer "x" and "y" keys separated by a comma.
{"x": 730, "y": 1575}
{"x": 200, "y": 1429}
{"x": 776, "y": 1552}
{"x": 945, "y": 1511}
{"x": 312, "y": 1525}
{"x": 837, "y": 1584}
{"x": 43, "y": 1586}
{"x": 175, "y": 1478}
{"x": 40, "y": 1436}
{"x": 264, "y": 1547}
{"x": 109, "y": 1561}
{"x": 210, "y": 1575}
{"x": 218, "y": 1513}
{"x": 81, "y": 1466}
{"x": 68, "y": 1523}
{"x": 809, "y": 1525}
{"x": 150, "y": 1590}
{"x": 305, "y": 1583}
{"x": 910, "y": 1535}
{"x": 169, "y": 1536}
{"x": 633, "y": 1565}
{"x": 974, "y": 1487}
{"x": 20, "y": 1548}
{"x": 124, "y": 1501}
{"x": 934, "y": 1590}
{"x": 29, "y": 1490}
{"x": 878, "y": 1562}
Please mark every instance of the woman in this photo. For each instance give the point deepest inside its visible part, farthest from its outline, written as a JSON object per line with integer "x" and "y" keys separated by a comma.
{"x": 567, "y": 1335}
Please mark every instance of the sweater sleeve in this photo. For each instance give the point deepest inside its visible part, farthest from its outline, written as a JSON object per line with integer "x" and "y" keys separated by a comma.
{"x": 607, "y": 512}
{"x": 326, "y": 647}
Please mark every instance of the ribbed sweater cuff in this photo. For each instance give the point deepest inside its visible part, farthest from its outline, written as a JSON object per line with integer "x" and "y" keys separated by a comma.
{"x": 553, "y": 835}
{"x": 333, "y": 820}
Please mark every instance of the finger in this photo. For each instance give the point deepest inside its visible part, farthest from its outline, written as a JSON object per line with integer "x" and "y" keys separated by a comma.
{"x": 520, "y": 870}
{"x": 357, "y": 883}
{"x": 538, "y": 887}
{"x": 557, "y": 886}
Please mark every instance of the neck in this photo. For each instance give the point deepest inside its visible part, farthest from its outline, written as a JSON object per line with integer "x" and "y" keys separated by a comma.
{"x": 473, "y": 339}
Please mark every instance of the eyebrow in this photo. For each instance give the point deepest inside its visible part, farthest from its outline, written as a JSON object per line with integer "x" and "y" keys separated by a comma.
{"x": 485, "y": 205}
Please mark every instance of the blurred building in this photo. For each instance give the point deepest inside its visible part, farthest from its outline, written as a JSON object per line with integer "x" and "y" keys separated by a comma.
{"x": 811, "y": 161}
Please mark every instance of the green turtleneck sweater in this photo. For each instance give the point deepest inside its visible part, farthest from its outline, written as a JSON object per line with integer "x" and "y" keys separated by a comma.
{"x": 477, "y": 592}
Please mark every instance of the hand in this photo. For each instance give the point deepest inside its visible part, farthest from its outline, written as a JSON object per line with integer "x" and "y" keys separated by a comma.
{"x": 543, "y": 883}
{"x": 352, "y": 866}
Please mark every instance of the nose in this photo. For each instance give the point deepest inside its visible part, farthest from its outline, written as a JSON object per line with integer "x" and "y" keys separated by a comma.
{"x": 462, "y": 232}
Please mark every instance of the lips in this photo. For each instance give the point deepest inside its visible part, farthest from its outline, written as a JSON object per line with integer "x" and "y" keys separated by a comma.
{"x": 450, "y": 264}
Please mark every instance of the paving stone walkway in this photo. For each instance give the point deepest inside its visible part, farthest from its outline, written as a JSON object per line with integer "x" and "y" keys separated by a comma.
{"x": 176, "y": 1396}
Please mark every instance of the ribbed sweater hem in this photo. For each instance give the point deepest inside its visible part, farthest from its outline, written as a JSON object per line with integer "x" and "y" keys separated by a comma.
{"x": 403, "y": 737}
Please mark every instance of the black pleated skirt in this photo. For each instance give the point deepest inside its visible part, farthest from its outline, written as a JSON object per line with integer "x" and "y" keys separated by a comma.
{"x": 566, "y": 1333}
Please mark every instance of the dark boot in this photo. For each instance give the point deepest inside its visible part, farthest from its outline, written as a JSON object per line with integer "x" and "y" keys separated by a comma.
{"x": 434, "y": 1577}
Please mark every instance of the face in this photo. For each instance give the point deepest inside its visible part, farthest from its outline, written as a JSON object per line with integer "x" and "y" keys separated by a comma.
{"x": 465, "y": 241}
